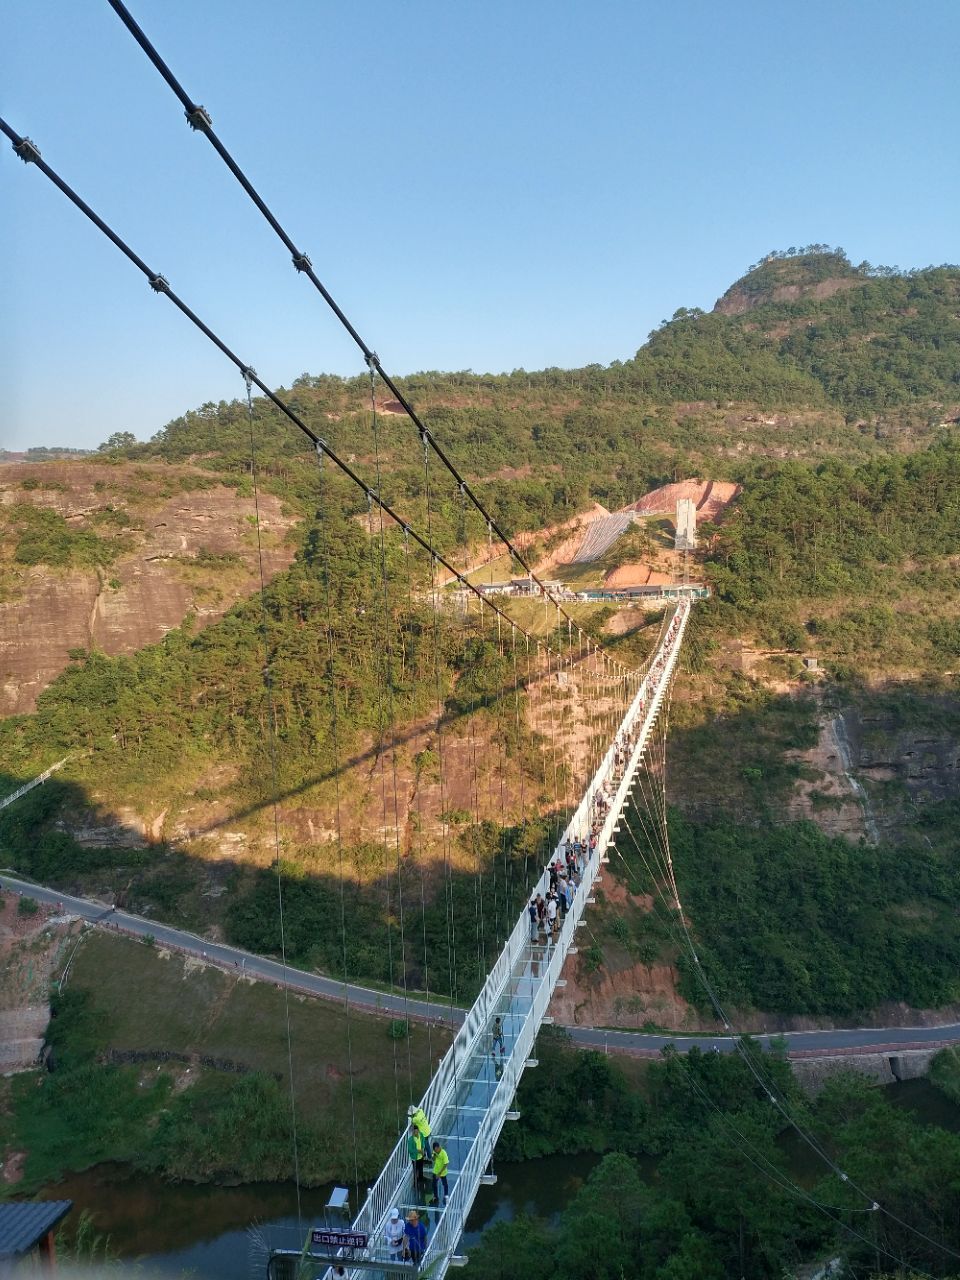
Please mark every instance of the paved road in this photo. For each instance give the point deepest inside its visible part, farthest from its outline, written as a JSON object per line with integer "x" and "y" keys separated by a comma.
{"x": 233, "y": 959}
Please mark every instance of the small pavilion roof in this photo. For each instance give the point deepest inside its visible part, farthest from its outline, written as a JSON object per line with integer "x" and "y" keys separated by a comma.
{"x": 23, "y": 1225}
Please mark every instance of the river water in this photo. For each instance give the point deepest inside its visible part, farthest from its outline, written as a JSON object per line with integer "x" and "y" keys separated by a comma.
{"x": 164, "y": 1230}
{"x": 160, "y": 1229}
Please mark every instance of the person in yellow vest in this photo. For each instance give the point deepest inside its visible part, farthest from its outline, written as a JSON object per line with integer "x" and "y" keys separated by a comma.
{"x": 417, "y": 1153}
{"x": 441, "y": 1163}
{"x": 418, "y": 1118}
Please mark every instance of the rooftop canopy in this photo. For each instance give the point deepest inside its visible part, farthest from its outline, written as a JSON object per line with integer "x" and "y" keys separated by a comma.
{"x": 24, "y": 1226}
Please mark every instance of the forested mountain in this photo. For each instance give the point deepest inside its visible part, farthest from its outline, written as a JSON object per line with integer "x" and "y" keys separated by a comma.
{"x": 805, "y": 355}
{"x": 812, "y": 757}
{"x": 819, "y": 386}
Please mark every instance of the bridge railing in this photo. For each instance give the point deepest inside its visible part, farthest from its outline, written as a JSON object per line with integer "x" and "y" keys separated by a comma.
{"x": 441, "y": 1093}
{"x": 645, "y": 706}
{"x": 34, "y": 782}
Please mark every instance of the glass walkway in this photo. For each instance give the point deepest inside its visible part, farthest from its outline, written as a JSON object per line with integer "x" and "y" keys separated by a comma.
{"x": 469, "y": 1099}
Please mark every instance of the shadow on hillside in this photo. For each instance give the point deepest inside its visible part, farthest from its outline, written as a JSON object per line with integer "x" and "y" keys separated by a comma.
{"x": 423, "y": 927}
{"x": 794, "y": 910}
{"x": 99, "y": 846}
{"x": 451, "y": 722}
{"x": 740, "y": 861}
{"x": 425, "y": 728}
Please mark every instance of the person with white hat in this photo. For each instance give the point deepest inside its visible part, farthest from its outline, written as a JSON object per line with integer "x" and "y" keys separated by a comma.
{"x": 418, "y": 1118}
{"x": 393, "y": 1235}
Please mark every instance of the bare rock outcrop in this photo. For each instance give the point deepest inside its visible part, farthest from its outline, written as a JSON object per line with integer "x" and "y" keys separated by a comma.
{"x": 736, "y": 300}
{"x": 188, "y": 547}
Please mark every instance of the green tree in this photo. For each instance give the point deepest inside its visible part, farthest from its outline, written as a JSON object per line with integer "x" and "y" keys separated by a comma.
{"x": 118, "y": 440}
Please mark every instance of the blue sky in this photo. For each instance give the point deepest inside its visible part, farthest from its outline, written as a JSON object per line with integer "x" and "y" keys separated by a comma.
{"x": 487, "y": 186}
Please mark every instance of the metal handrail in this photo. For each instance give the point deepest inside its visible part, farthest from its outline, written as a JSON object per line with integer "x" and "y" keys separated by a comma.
{"x": 640, "y": 718}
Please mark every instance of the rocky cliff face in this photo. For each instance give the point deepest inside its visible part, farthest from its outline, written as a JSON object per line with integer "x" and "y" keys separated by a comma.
{"x": 188, "y": 546}
{"x": 907, "y": 756}
{"x": 877, "y": 765}
{"x": 738, "y": 300}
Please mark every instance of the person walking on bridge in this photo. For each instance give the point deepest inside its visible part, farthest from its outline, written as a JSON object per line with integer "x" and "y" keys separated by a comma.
{"x": 441, "y": 1163}
{"x": 551, "y": 914}
{"x": 417, "y": 1153}
{"x": 393, "y": 1236}
{"x": 414, "y": 1237}
{"x": 498, "y": 1035}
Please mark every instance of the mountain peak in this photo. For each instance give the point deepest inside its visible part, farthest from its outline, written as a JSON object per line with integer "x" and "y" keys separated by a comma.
{"x": 788, "y": 275}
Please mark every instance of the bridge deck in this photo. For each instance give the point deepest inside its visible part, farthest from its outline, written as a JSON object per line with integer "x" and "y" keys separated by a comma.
{"x": 468, "y": 1100}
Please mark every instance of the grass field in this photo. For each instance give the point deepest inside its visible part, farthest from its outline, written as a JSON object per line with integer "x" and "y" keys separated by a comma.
{"x": 541, "y": 620}
{"x": 151, "y": 999}
{"x": 354, "y": 1075}
{"x": 499, "y": 570}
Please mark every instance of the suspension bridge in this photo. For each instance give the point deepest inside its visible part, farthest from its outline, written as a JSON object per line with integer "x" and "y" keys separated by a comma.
{"x": 472, "y": 1093}
{"x": 470, "y": 1097}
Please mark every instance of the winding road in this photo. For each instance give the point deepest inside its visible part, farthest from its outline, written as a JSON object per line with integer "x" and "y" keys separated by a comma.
{"x": 799, "y": 1044}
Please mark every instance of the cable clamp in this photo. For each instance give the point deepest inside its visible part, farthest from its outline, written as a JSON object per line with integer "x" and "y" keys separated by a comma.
{"x": 302, "y": 262}
{"x": 159, "y": 284}
{"x": 844, "y": 1177}
{"x": 320, "y": 447}
{"x": 249, "y": 373}
{"x": 372, "y": 361}
{"x": 874, "y": 1207}
{"x": 198, "y": 118}
{"x": 28, "y": 151}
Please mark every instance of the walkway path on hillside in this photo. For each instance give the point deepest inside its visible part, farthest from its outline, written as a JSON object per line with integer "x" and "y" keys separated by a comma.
{"x": 234, "y": 960}
{"x": 34, "y": 782}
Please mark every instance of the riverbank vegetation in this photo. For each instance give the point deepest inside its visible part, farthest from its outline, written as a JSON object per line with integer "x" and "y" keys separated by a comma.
{"x": 703, "y": 1178}
{"x": 178, "y": 1068}
{"x": 731, "y": 1195}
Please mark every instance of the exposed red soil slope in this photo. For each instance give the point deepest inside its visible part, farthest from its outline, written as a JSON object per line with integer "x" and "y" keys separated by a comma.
{"x": 712, "y": 497}
{"x": 637, "y": 575}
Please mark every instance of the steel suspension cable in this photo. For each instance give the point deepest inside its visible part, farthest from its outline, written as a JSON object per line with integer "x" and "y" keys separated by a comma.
{"x": 335, "y": 740}
{"x": 199, "y": 120}
{"x": 489, "y": 805}
{"x": 502, "y": 770}
{"x": 275, "y": 780}
{"x": 419, "y": 834}
{"x": 386, "y": 721}
{"x": 766, "y": 1084}
{"x": 29, "y": 153}
{"x": 451, "y": 920}
{"x": 755, "y": 1067}
{"x": 519, "y": 731}
{"x": 794, "y": 1189}
{"x": 475, "y": 789}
